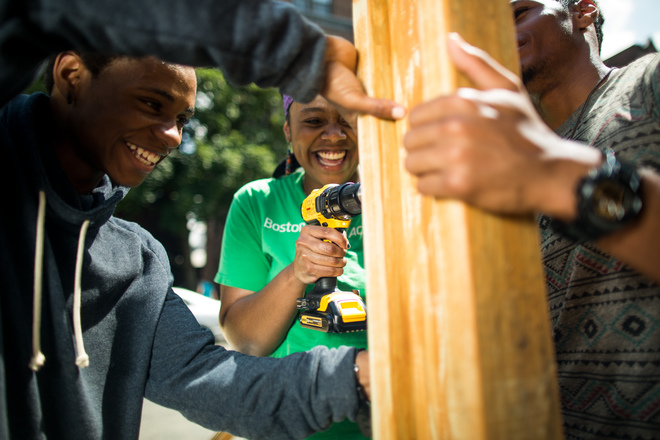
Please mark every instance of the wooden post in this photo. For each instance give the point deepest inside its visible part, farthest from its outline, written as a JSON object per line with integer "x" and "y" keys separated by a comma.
{"x": 459, "y": 332}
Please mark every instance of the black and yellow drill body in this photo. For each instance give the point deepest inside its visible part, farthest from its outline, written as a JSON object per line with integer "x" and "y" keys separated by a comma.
{"x": 325, "y": 308}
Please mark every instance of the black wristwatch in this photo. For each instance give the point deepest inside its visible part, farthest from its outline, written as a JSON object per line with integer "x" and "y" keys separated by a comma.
{"x": 608, "y": 199}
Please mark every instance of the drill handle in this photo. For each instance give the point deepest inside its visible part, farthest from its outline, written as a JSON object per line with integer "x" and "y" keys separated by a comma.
{"x": 312, "y": 300}
{"x": 325, "y": 285}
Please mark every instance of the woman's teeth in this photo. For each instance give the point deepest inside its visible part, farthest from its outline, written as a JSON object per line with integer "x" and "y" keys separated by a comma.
{"x": 146, "y": 157}
{"x": 331, "y": 158}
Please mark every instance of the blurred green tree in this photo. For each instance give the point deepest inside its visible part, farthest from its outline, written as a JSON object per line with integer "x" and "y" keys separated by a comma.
{"x": 235, "y": 137}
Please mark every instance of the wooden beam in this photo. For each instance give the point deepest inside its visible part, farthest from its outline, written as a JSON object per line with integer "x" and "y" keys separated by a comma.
{"x": 459, "y": 332}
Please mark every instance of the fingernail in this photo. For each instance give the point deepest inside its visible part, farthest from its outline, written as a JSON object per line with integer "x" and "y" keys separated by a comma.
{"x": 398, "y": 112}
{"x": 456, "y": 37}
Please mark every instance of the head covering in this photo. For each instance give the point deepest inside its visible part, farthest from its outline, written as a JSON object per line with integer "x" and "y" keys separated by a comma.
{"x": 290, "y": 163}
{"x": 286, "y": 102}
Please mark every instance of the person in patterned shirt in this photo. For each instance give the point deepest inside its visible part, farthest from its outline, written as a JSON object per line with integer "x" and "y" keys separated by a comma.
{"x": 519, "y": 147}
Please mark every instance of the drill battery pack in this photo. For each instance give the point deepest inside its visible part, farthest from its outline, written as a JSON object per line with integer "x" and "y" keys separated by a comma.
{"x": 336, "y": 312}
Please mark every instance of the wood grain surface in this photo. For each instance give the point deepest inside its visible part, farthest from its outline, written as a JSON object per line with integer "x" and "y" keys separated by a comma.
{"x": 459, "y": 334}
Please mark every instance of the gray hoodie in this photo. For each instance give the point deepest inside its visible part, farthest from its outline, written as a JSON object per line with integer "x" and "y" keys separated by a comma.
{"x": 140, "y": 337}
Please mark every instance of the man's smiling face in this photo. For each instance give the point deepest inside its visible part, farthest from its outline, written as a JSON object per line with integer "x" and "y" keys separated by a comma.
{"x": 131, "y": 115}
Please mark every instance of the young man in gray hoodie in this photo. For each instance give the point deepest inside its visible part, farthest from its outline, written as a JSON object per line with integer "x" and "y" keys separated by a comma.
{"x": 89, "y": 321}
{"x": 88, "y": 318}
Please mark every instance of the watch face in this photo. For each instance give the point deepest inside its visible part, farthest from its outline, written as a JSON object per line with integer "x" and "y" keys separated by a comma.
{"x": 613, "y": 200}
{"x": 610, "y": 200}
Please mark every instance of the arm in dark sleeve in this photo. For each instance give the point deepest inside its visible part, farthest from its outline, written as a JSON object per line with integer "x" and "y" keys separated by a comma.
{"x": 254, "y": 397}
{"x": 265, "y": 42}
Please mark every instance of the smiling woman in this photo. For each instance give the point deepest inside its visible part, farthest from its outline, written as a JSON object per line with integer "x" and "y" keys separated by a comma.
{"x": 270, "y": 258}
{"x": 324, "y": 144}
{"x": 120, "y": 119}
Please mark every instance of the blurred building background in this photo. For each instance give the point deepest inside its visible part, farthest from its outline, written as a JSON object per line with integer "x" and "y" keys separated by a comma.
{"x": 630, "y": 54}
{"x": 333, "y": 16}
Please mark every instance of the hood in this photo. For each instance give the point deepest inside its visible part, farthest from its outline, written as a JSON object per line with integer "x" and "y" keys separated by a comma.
{"x": 32, "y": 115}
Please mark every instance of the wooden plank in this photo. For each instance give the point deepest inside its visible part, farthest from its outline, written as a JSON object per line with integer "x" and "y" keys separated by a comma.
{"x": 459, "y": 333}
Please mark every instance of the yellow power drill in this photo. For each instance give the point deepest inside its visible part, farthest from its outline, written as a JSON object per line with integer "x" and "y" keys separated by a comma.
{"x": 325, "y": 308}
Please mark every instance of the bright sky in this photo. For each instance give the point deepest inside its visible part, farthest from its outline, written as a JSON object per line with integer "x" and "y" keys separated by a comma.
{"x": 629, "y": 22}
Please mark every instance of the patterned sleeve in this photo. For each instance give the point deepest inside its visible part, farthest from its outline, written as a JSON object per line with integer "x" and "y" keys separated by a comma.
{"x": 649, "y": 155}
{"x": 652, "y": 78}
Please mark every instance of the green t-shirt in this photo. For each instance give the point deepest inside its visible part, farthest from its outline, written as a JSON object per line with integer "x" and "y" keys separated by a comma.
{"x": 259, "y": 241}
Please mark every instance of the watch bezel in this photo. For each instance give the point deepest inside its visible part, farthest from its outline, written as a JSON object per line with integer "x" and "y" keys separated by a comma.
{"x": 590, "y": 223}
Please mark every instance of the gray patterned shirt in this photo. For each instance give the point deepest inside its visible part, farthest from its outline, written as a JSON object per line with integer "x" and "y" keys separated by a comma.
{"x": 605, "y": 316}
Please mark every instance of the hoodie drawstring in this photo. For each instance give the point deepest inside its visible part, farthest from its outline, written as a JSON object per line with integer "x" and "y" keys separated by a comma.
{"x": 82, "y": 360}
{"x": 38, "y": 358}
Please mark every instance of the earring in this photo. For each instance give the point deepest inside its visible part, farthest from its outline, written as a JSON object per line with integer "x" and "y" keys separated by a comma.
{"x": 69, "y": 98}
{"x": 289, "y": 165}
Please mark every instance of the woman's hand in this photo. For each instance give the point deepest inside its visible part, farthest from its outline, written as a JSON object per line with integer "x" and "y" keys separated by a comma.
{"x": 315, "y": 257}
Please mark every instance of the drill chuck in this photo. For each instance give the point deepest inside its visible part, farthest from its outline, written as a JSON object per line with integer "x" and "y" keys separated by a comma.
{"x": 340, "y": 200}
{"x": 333, "y": 205}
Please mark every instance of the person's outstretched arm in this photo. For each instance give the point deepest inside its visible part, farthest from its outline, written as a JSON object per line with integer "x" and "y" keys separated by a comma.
{"x": 268, "y": 43}
{"x": 252, "y": 397}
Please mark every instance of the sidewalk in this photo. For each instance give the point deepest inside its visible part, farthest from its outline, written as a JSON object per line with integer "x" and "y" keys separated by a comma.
{"x": 159, "y": 423}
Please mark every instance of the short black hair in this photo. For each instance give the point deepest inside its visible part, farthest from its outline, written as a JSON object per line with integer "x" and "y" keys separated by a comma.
{"x": 598, "y": 24}
{"x": 94, "y": 61}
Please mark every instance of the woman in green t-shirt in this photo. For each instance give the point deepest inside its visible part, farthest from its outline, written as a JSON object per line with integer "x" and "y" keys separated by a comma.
{"x": 270, "y": 257}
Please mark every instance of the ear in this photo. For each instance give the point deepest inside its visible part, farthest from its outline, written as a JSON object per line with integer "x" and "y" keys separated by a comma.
{"x": 586, "y": 13}
{"x": 287, "y": 132}
{"x": 68, "y": 72}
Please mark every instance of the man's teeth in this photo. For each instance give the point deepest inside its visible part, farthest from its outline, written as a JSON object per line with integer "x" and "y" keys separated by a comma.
{"x": 330, "y": 158}
{"x": 144, "y": 156}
